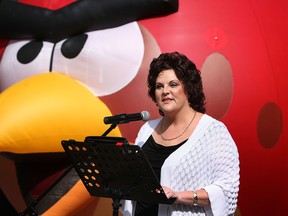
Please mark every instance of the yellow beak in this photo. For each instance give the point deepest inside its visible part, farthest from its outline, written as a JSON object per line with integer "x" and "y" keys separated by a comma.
{"x": 37, "y": 113}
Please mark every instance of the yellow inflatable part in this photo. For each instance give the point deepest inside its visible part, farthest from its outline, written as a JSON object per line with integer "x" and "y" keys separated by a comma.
{"x": 37, "y": 113}
{"x": 74, "y": 201}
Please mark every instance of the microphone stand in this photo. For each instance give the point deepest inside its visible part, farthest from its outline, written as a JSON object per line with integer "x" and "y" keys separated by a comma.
{"x": 31, "y": 210}
{"x": 112, "y": 126}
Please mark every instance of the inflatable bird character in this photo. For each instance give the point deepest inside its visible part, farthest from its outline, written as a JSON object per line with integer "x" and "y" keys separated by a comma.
{"x": 58, "y": 59}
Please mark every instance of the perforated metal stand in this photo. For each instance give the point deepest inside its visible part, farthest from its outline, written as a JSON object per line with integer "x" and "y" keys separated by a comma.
{"x": 110, "y": 167}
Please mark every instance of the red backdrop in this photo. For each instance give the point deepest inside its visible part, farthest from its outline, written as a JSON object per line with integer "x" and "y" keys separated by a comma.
{"x": 241, "y": 47}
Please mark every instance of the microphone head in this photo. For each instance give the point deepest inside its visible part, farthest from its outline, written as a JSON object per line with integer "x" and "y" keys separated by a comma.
{"x": 145, "y": 115}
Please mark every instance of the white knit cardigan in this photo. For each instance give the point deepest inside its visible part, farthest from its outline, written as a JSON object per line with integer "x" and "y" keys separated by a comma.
{"x": 209, "y": 160}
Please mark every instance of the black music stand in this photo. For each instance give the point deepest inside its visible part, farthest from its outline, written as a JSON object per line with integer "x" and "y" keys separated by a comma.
{"x": 110, "y": 167}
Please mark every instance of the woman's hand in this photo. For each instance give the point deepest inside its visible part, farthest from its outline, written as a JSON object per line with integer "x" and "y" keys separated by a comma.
{"x": 187, "y": 197}
{"x": 169, "y": 193}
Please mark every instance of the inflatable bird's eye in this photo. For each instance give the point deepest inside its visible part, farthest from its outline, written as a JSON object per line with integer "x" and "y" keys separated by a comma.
{"x": 106, "y": 63}
{"x": 23, "y": 59}
{"x": 99, "y": 60}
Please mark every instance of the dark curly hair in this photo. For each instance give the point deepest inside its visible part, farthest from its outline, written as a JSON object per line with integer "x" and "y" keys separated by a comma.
{"x": 185, "y": 71}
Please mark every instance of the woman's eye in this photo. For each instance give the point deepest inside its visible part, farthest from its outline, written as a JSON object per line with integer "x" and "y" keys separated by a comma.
{"x": 158, "y": 86}
{"x": 174, "y": 84}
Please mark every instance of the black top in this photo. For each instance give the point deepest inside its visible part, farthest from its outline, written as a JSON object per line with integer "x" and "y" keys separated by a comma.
{"x": 156, "y": 155}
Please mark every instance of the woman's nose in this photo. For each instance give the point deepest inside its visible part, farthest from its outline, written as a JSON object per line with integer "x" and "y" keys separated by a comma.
{"x": 165, "y": 90}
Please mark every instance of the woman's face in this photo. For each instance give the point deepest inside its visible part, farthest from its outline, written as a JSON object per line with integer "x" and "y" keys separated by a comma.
{"x": 169, "y": 92}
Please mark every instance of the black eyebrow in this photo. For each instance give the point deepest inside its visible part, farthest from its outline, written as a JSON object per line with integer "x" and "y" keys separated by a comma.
{"x": 76, "y": 18}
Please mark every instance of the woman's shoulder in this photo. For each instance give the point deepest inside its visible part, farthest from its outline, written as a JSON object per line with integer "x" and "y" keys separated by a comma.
{"x": 150, "y": 125}
{"x": 208, "y": 123}
{"x": 146, "y": 130}
{"x": 209, "y": 119}
{"x": 154, "y": 122}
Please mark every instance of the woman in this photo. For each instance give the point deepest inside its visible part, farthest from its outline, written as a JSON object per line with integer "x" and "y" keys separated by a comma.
{"x": 193, "y": 155}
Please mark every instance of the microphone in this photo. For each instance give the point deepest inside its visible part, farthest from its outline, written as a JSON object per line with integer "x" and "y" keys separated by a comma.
{"x": 125, "y": 118}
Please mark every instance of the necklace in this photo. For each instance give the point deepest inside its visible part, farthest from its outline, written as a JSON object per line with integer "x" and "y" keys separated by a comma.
{"x": 165, "y": 139}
